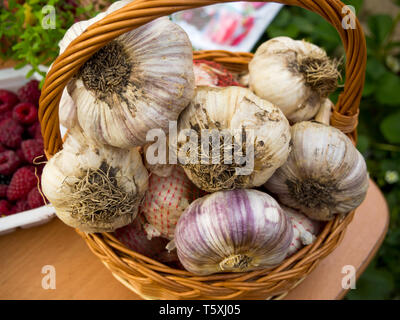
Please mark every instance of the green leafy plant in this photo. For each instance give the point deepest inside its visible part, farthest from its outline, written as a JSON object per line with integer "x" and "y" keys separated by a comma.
{"x": 379, "y": 126}
{"x": 22, "y": 37}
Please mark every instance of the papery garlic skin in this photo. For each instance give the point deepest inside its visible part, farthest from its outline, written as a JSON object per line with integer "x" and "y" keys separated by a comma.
{"x": 233, "y": 231}
{"x": 138, "y": 82}
{"x": 294, "y": 75}
{"x": 114, "y": 183}
{"x": 324, "y": 175}
{"x": 165, "y": 201}
{"x": 67, "y": 110}
{"x": 234, "y": 110}
{"x": 305, "y": 230}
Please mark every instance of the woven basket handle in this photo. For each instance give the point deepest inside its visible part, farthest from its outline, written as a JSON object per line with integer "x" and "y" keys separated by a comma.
{"x": 140, "y": 12}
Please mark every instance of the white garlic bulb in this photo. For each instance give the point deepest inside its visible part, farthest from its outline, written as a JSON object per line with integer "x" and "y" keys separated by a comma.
{"x": 324, "y": 174}
{"x": 94, "y": 188}
{"x": 233, "y": 231}
{"x": 241, "y": 125}
{"x": 294, "y": 75}
{"x": 305, "y": 230}
{"x": 137, "y": 82}
{"x": 165, "y": 201}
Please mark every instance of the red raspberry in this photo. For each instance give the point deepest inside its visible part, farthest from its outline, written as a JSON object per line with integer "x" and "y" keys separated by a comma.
{"x": 3, "y": 190}
{"x": 21, "y": 205}
{"x": 5, "y": 208}
{"x": 25, "y": 113}
{"x": 35, "y": 199}
{"x": 32, "y": 149}
{"x": 8, "y": 100}
{"x": 9, "y": 162}
{"x": 2, "y": 149}
{"x": 5, "y": 115}
{"x": 30, "y": 92}
{"x": 23, "y": 181}
{"x": 11, "y": 133}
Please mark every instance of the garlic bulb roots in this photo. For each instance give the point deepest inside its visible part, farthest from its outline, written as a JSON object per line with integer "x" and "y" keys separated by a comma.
{"x": 305, "y": 230}
{"x": 94, "y": 188}
{"x": 324, "y": 174}
{"x": 241, "y": 126}
{"x": 233, "y": 231}
{"x": 294, "y": 75}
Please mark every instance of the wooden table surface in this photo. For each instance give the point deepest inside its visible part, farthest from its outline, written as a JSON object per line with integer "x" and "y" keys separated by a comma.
{"x": 81, "y": 275}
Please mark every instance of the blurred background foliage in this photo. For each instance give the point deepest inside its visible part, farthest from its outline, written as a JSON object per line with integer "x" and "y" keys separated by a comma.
{"x": 379, "y": 126}
{"x": 24, "y": 40}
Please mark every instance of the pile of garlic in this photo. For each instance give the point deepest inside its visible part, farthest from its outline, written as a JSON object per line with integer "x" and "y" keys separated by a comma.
{"x": 252, "y": 167}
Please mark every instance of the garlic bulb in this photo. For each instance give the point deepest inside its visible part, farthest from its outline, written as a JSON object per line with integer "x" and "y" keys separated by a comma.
{"x": 233, "y": 231}
{"x": 137, "y": 82}
{"x": 94, "y": 188}
{"x": 294, "y": 75}
{"x": 324, "y": 175}
{"x": 165, "y": 201}
{"x": 305, "y": 230}
{"x": 250, "y": 139}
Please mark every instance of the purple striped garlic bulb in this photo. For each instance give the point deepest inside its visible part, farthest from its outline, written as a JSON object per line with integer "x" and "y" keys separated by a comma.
{"x": 233, "y": 231}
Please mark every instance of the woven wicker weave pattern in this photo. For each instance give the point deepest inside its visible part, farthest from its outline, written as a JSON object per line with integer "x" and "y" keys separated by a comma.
{"x": 150, "y": 278}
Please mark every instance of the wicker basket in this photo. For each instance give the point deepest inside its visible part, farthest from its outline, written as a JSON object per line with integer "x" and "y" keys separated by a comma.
{"x": 149, "y": 278}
